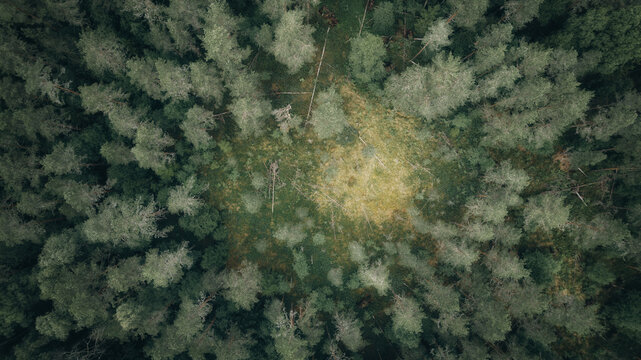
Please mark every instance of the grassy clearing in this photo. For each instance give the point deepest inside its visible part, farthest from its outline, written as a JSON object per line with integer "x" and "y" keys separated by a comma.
{"x": 357, "y": 191}
{"x": 340, "y": 191}
{"x": 376, "y": 176}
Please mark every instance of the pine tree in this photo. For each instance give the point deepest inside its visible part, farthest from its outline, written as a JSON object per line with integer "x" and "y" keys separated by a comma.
{"x": 438, "y": 35}
{"x": 184, "y": 198}
{"x": 505, "y": 266}
{"x": 546, "y": 211}
{"x": 175, "y": 339}
{"x": 328, "y": 118}
{"x": 126, "y": 275}
{"x": 289, "y": 345}
{"x": 206, "y": 82}
{"x": 572, "y": 314}
{"x": 124, "y": 222}
{"x": 609, "y": 31}
{"x": 243, "y": 285}
{"x": 613, "y": 119}
{"x": 375, "y": 275}
{"x": 407, "y": 318}
{"x": 236, "y": 345}
{"x": 164, "y": 268}
{"x": 173, "y": 79}
{"x": 80, "y": 196}
{"x": 491, "y": 321}
{"x": 293, "y": 44}
{"x": 15, "y": 231}
{"x": 117, "y": 153}
{"x": 143, "y": 73}
{"x": 348, "y": 331}
{"x": 102, "y": 51}
{"x": 220, "y": 40}
{"x": 366, "y": 58}
{"x": 275, "y": 9}
{"x": 250, "y": 115}
{"x": 55, "y": 325}
{"x": 62, "y": 160}
{"x": 383, "y": 18}
{"x": 433, "y": 91}
{"x": 521, "y": 12}
{"x": 150, "y": 149}
{"x": 468, "y": 13}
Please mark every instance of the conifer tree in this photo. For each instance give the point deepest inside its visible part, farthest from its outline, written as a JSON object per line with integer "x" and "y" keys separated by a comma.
{"x": 206, "y": 82}
{"x": 468, "y": 13}
{"x": 220, "y": 39}
{"x": 348, "y": 331}
{"x": 293, "y": 44}
{"x": 250, "y": 115}
{"x": 438, "y": 35}
{"x": 164, "y": 268}
{"x": 123, "y": 222}
{"x": 433, "y": 91}
{"x": 546, "y": 211}
{"x": 62, "y": 160}
{"x": 288, "y": 343}
{"x": 150, "y": 149}
{"x": 173, "y": 79}
{"x": 328, "y": 118}
{"x": 366, "y": 58}
{"x": 102, "y": 51}
{"x": 184, "y": 198}
{"x": 407, "y": 318}
{"x": 243, "y": 285}
{"x": 375, "y": 275}
{"x": 383, "y": 18}
{"x": 117, "y": 153}
{"x": 236, "y": 345}
{"x": 143, "y": 73}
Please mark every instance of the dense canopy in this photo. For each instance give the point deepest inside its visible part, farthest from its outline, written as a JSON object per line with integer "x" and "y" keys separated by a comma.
{"x": 320, "y": 179}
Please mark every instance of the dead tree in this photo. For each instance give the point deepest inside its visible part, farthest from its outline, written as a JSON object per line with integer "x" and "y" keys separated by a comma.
{"x": 273, "y": 174}
{"x": 283, "y": 118}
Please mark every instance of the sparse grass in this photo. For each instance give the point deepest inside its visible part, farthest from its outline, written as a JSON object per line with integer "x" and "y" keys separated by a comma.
{"x": 374, "y": 177}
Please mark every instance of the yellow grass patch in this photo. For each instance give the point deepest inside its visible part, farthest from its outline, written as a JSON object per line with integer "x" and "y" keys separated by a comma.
{"x": 376, "y": 182}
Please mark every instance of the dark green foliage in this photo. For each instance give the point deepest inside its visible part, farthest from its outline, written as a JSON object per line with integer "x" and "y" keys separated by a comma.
{"x": 543, "y": 267}
{"x": 328, "y": 117}
{"x": 432, "y": 91}
{"x": 124, "y": 223}
{"x": 491, "y": 321}
{"x": 201, "y": 224}
{"x": 576, "y": 317}
{"x": 611, "y": 31}
{"x": 366, "y": 58}
{"x": 383, "y": 18}
{"x": 206, "y": 82}
{"x": 468, "y": 13}
{"x": 102, "y": 51}
{"x": 626, "y": 313}
{"x": 293, "y": 43}
{"x": 483, "y": 204}
{"x": 546, "y": 212}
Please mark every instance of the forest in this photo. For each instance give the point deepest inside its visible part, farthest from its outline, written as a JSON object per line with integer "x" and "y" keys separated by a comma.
{"x": 320, "y": 179}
